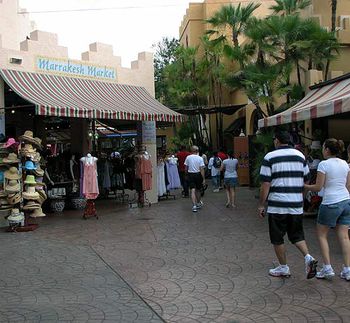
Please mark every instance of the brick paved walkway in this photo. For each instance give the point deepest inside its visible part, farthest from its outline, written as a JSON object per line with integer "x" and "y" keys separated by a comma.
{"x": 162, "y": 263}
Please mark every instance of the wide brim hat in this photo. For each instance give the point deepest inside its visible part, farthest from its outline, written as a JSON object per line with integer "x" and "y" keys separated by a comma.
{"x": 3, "y": 193}
{"x": 39, "y": 172}
{"x": 10, "y": 142}
{"x": 28, "y": 137}
{"x": 37, "y": 213}
{"x": 10, "y": 159}
{"x": 31, "y": 205}
{"x": 12, "y": 173}
{"x": 30, "y": 180}
{"x": 13, "y": 199}
{"x": 29, "y": 165}
{"x": 37, "y": 142}
{"x": 13, "y": 186}
{"x": 15, "y": 216}
{"x": 30, "y": 193}
{"x": 4, "y": 205}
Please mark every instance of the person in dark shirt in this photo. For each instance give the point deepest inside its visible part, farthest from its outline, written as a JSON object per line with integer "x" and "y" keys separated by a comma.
{"x": 181, "y": 155}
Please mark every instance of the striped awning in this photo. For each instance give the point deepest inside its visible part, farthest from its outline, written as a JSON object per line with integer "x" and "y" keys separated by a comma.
{"x": 330, "y": 99}
{"x": 82, "y": 98}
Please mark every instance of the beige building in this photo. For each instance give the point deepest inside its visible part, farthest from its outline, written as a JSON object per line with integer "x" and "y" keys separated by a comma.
{"x": 193, "y": 26}
{"x": 32, "y": 64}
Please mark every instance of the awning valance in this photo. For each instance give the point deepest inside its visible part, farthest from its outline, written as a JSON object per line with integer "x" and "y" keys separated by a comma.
{"x": 320, "y": 102}
{"x": 82, "y": 98}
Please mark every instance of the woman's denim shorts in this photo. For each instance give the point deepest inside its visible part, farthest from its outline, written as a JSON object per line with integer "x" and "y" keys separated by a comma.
{"x": 333, "y": 214}
{"x": 231, "y": 181}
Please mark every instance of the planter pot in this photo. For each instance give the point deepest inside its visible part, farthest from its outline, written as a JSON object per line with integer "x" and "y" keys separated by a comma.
{"x": 77, "y": 203}
{"x": 57, "y": 205}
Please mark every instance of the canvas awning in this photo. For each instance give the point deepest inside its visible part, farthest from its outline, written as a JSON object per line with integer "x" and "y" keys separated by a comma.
{"x": 323, "y": 100}
{"x": 82, "y": 98}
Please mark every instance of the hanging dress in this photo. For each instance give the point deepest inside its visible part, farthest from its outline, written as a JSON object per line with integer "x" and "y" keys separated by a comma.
{"x": 161, "y": 179}
{"x": 173, "y": 176}
{"x": 90, "y": 185}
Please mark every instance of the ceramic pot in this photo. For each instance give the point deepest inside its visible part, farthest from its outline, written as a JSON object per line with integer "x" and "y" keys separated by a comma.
{"x": 78, "y": 203}
{"x": 57, "y": 205}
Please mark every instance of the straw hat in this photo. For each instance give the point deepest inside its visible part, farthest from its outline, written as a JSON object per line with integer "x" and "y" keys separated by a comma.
{"x": 12, "y": 173}
{"x": 4, "y": 205}
{"x": 39, "y": 172}
{"x": 31, "y": 205}
{"x": 30, "y": 193}
{"x": 28, "y": 137}
{"x": 42, "y": 197}
{"x": 11, "y": 159}
{"x": 3, "y": 194}
{"x": 37, "y": 213}
{"x": 38, "y": 142}
{"x": 15, "y": 198}
{"x": 36, "y": 157}
{"x": 30, "y": 180}
{"x": 12, "y": 186}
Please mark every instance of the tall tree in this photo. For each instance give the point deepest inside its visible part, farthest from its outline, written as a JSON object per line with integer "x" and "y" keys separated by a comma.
{"x": 334, "y": 4}
{"x": 164, "y": 55}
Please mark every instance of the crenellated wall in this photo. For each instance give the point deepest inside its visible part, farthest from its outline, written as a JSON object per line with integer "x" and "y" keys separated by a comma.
{"x": 19, "y": 40}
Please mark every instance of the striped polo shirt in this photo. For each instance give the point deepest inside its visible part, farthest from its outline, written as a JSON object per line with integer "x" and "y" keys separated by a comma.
{"x": 286, "y": 169}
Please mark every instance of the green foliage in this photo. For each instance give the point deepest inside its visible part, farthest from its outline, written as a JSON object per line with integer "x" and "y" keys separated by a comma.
{"x": 290, "y": 7}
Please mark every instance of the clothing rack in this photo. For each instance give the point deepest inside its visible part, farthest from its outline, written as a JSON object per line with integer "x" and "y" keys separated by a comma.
{"x": 167, "y": 196}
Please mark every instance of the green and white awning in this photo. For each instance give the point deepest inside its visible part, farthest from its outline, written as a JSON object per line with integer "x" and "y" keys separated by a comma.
{"x": 82, "y": 98}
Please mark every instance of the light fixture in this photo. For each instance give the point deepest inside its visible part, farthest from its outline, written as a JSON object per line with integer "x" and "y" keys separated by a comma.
{"x": 16, "y": 60}
{"x": 13, "y": 111}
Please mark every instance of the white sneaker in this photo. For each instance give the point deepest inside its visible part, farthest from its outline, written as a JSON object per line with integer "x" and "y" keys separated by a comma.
{"x": 194, "y": 208}
{"x": 325, "y": 273}
{"x": 199, "y": 205}
{"x": 345, "y": 274}
{"x": 310, "y": 268}
{"x": 280, "y": 271}
{"x": 216, "y": 190}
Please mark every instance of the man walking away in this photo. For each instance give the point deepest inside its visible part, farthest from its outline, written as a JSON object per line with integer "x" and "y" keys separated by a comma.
{"x": 196, "y": 177}
{"x": 181, "y": 155}
{"x": 283, "y": 173}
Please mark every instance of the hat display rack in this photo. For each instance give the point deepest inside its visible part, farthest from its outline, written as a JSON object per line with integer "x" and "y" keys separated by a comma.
{"x": 22, "y": 186}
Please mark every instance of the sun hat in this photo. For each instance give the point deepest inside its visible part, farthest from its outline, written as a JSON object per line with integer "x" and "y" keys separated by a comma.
{"x": 1, "y": 176}
{"x": 31, "y": 205}
{"x": 38, "y": 171}
{"x": 12, "y": 173}
{"x": 37, "y": 213}
{"x": 42, "y": 197}
{"x": 30, "y": 193}
{"x": 27, "y": 137}
{"x": 30, "y": 180}
{"x": 10, "y": 142}
{"x": 4, "y": 205}
{"x": 11, "y": 159}
{"x": 36, "y": 157}
{"x": 15, "y": 198}
{"x": 12, "y": 186}
{"x": 37, "y": 142}
{"x": 29, "y": 165}
{"x": 3, "y": 194}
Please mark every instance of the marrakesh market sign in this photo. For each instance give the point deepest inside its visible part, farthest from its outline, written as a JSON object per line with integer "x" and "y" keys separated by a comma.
{"x": 74, "y": 68}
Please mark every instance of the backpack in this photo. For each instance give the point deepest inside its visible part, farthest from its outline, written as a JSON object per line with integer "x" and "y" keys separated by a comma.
{"x": 217, "y": 162}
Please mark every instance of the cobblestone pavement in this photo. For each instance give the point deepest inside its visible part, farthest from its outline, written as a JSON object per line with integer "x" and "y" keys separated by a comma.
{"x": 162, "y": 263}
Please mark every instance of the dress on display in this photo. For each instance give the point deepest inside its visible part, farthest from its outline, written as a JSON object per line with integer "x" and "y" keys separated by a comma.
{"x": 173, "y": 176}
{"x": 161, "y": 179}
{"x": 90, "y": 185}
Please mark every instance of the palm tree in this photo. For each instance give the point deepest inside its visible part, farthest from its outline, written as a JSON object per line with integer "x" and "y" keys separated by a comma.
{"x": 333, "y": 29}
{"x": 236, "y": 18}
{"x": 290, "y": 7}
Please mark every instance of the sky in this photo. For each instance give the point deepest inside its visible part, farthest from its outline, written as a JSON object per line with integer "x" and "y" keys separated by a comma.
{"x": 133, "y": 27}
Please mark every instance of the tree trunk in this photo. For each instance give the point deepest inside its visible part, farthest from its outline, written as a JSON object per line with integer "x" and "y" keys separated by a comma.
{"x": 333, "y": 26}
{"x": 298, "y": 74}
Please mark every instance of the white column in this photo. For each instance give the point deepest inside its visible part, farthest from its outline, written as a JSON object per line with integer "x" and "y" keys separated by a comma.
{"x": 148, "y": 138}
{"x": 2, "y": 106}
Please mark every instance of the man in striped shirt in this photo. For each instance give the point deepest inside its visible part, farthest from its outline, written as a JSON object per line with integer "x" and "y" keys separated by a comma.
{"x": 283, "y": 173}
